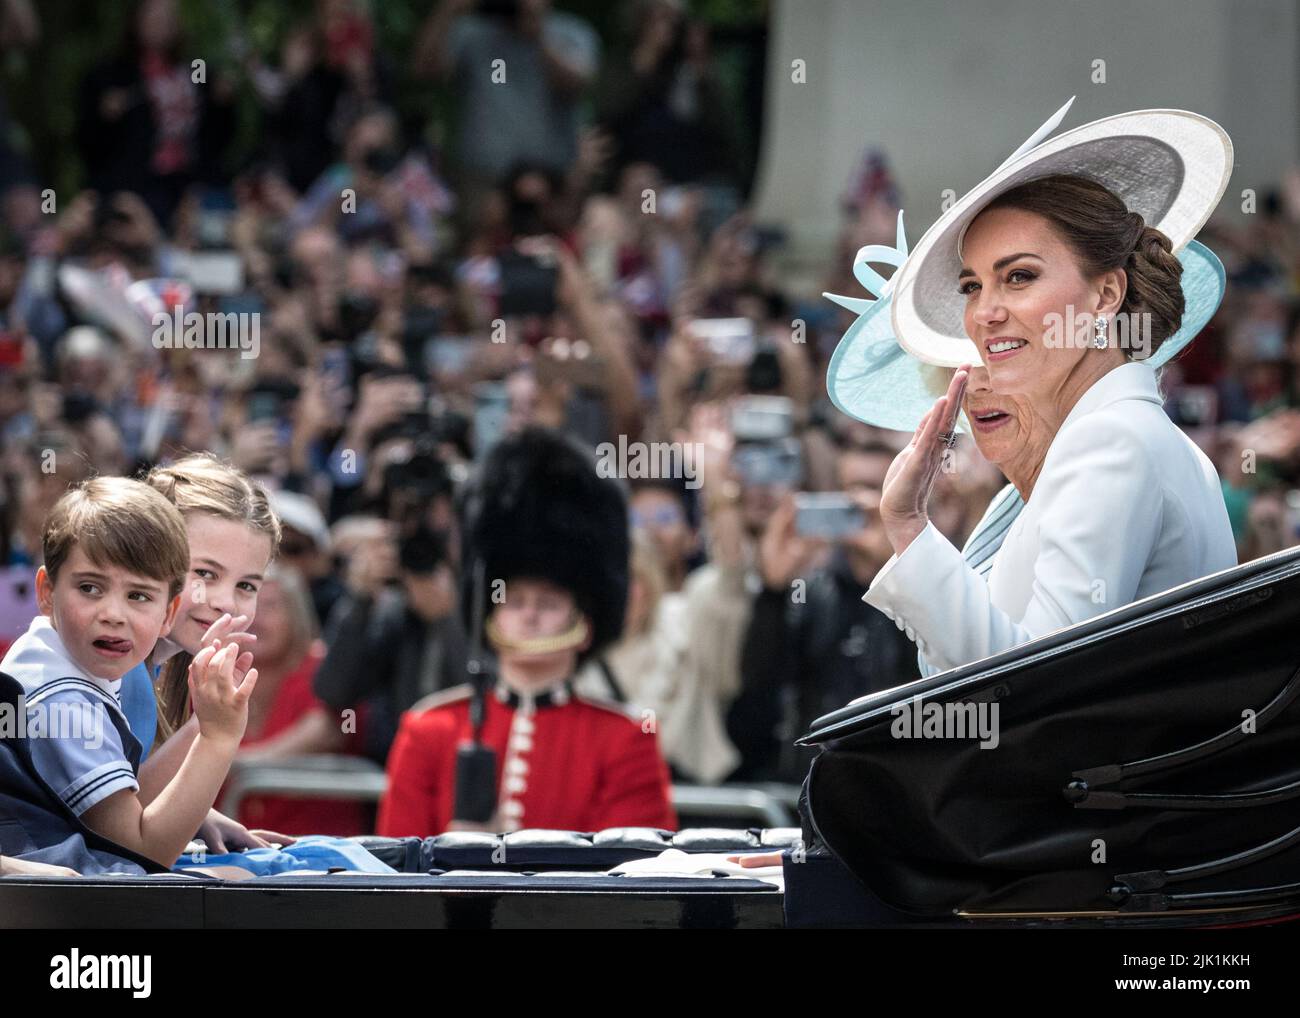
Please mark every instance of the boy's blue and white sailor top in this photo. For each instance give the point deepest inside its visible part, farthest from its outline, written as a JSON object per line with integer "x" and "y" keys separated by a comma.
{"x": 78, "y": 737}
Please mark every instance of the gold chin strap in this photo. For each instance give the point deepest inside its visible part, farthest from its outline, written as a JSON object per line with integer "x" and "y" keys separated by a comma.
{"x": 570, "y": 639}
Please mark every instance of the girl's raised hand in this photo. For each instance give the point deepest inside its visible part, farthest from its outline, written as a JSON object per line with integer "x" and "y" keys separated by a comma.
{"x": 220, "y": 698}
{"x": 242, "y": 663}
{"x": 229, "y": 629}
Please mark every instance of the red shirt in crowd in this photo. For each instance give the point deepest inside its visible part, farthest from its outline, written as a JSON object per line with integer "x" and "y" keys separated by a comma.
{"x": 564, "y": 762}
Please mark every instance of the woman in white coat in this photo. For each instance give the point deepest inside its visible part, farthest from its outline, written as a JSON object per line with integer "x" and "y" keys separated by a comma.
{"x": 1125, "y": 504}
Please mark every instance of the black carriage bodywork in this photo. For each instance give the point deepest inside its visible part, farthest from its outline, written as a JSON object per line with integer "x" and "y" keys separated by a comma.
{"x": 1147, "y": 770}
{"x": 463, "y": 880}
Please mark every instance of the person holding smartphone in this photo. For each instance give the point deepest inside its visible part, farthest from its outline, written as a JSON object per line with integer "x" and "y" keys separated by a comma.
{"x": 811, "y": 644}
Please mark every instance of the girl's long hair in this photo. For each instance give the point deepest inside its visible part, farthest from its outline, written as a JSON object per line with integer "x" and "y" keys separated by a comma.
{"x": 202, "y": 483}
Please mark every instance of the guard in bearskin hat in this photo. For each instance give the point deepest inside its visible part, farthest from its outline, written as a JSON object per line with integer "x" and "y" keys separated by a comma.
{"x": 545, "y": 575}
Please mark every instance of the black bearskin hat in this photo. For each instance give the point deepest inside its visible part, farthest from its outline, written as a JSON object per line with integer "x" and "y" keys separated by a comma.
{"x": 538, "y": 508}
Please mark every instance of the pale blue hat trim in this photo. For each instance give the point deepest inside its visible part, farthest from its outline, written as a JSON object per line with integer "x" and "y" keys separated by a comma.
{"x": 875, "y": 380}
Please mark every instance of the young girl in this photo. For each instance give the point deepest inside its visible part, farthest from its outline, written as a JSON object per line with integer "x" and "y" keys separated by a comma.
{"x": 233, "y": 536}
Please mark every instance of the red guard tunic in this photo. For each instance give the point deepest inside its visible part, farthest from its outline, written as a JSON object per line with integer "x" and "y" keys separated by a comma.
{"x": 564, "y": 762}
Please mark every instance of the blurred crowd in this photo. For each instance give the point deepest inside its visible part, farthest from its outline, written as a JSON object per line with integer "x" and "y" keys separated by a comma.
{"x": 582, "y": 256}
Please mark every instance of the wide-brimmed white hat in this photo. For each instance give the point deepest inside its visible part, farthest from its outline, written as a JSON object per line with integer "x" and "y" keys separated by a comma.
{"x": 872, "y": 378}
{"x": 1170, "y": 166}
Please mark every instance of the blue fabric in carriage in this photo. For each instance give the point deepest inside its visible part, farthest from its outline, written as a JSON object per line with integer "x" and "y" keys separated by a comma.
{"x": 313, "y": 852}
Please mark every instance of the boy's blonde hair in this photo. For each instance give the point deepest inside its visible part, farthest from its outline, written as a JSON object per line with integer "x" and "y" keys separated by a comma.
{"x": 120, "y": 522}
{"x": 202, "y": 483}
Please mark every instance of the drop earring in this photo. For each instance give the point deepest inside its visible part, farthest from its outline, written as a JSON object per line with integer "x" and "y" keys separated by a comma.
{"x": 1100, "y": 338}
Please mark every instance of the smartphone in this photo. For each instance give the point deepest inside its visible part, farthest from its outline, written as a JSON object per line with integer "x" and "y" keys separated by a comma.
{"x": 769, "y": 464}
{"x": 213, "y": 227}
{"x": 728, "y": 340}
{"x": 216, "y": 272}
{"x": 827, "y": 514}
{"x": 336, "y": 366}
{"x": 762, "y": 418}
{"x": 491, "y": 411}
{"x": 527, "y": 285}
{"x": 264, "y": 405}
{"x": 448, "y": 355}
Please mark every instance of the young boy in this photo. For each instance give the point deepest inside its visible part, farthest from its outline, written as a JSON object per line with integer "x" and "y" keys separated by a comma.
{"x": 116, "y": 555}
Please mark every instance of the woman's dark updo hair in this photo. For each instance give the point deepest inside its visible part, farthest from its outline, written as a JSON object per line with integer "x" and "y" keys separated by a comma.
{"x": 1105, "y": 235}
